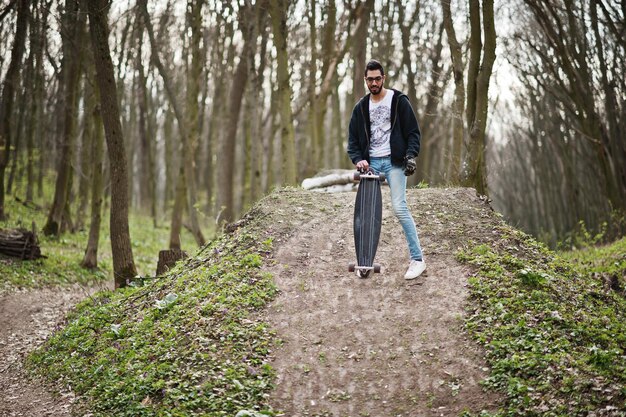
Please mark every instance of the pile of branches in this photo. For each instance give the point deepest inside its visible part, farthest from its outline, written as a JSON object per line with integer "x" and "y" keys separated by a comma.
{"x": 19, "y": 243}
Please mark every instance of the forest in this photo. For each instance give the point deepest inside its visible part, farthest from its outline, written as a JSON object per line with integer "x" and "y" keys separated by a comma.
{"x": 191, "y": 111}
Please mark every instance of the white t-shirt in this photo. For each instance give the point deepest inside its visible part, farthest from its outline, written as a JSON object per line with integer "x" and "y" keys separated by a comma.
{"x": 380, "y": 119}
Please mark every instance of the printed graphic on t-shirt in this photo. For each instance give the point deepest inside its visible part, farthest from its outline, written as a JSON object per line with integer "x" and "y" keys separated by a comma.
{"x": 380, "y": 119}
{"x": 381, "y": 127}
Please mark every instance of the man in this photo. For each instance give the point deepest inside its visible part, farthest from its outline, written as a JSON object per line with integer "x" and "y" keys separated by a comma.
{"x": 384, "y": 135}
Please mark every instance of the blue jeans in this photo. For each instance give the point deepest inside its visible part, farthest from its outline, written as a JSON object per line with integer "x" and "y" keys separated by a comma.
{"x": 397, "y": 184}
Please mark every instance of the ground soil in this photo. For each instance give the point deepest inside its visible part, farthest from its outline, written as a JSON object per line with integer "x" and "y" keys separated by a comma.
{"x": 381, "y": 346}
{"x": 377, "y": 347}
{"x": 27, "y": 318}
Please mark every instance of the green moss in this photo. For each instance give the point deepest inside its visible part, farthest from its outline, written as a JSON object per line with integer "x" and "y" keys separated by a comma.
{"x": 188, "y": 343}
{"x": 555, "y": 336}
{"x": 607, "y": 260}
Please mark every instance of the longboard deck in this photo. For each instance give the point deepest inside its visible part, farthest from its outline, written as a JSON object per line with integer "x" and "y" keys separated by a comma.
{"x": 368, "y": 211}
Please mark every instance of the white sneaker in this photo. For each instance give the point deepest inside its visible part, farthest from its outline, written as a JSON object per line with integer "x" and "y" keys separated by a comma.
{"x": 415, "y": 269}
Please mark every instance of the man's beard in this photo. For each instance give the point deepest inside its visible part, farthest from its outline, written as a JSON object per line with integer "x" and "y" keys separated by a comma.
{"x": 375, "y": 89}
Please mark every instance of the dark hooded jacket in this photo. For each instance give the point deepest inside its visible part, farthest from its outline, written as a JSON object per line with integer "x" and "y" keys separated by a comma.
{"x": 405, "y": 131}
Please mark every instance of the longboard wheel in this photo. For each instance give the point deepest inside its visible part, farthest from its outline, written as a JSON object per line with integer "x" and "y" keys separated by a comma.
{"x": 357, "y": 176}
{"x": 351, "y": 266}
{"x": 381, "y": 177}
{"x": 376, "y": 268}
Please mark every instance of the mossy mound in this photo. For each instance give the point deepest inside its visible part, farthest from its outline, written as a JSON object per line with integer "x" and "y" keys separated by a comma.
{"x": 188, "y": 341}
{"x": 555, "y": 334}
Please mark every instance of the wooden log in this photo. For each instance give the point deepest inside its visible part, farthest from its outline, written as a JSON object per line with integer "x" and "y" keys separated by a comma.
{"x": 336, "y": 189}
{"x": 334, "y": 178}
{"x": 20, "y": 243}
{"x": 167, "y": 259}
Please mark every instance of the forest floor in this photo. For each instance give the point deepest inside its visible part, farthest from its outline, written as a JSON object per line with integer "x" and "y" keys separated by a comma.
{"x": 27, "y": 318}
{"x": 380, "y": 346}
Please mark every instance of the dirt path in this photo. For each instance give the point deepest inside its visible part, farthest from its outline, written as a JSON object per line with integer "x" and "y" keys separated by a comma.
{"x": 381, "y": 346}
{"x": 26, "y": 320}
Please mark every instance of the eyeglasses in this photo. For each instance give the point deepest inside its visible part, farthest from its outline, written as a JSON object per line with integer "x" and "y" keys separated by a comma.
{"x": 372, "y": 79}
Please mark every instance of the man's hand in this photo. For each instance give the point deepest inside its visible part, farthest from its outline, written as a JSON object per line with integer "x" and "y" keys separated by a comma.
{"x": 362, "y": 166}
{"x": 409, "y": 166}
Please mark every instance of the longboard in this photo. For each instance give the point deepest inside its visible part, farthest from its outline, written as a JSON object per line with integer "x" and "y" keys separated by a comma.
{"x": 368, "y": 213}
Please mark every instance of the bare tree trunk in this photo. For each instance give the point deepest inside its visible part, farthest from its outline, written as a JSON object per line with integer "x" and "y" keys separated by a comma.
{"x": 246, "y": 155}
{"x": 615, "y": 129}
{"x": 278, "y": 13}
{"x": 459, "y": 92}
{"x": 322, "y": 98}
{"x": 312, "y": 158}
{"x": 32, "y": 104}
{"x": 9, "y": 87}
{"x": 359, "y": 47}
{"x": 228, "y": 141}
{"x": 184, "y": 130}
{"x": 271, "y": 163}
{"x": 405, "y": 31}
{"x": 123, "y": 264}
{"x": 256, "y": 150}
{"x": 252, "y": 133}
{"x": 336, "y": 147}
{"x": 85, "y": 159}
{"x": 74, "y": 24}
{"x": 90, "y": 260}
{"x": 22, "y": 99}
{"x": 169, "y": 155}
{"x": 339, "y": 133}
{"x": 146, "y": 136}
{"x": 37, "y": 45}
{"x": 130, "y": 126}
{"x": 190, "y": 142}
{"x": 177, "y": 210}
{"x": 218, "y": 112}
{"x": 478, "y": 87}
{"x": 438, "y": 81}
{"x": 211, "y": 140}
{"x": 226, "y": 161}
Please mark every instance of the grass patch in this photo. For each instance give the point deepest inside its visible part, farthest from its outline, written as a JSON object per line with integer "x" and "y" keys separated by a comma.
{"x": 554, "y": 334}
{"x": 63, "y": 255}
{"x": 606, "y": 262}
{"x": 190, "y": 343}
